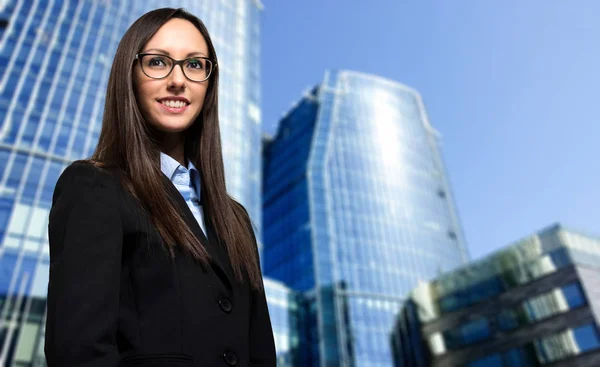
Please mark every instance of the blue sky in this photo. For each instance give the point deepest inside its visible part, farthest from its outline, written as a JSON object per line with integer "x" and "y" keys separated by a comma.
{"x": 511, "y": 85}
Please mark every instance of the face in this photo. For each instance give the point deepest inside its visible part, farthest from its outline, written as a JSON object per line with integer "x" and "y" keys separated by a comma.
{"x": 172, "y": 104}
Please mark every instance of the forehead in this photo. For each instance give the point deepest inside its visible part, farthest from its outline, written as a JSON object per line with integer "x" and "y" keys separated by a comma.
{"x": 179, "y": 37}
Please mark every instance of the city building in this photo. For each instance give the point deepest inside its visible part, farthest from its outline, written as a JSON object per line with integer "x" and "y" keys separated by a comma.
{"x": 284, "y": 310}
{"x": 357, "y": 209}
{"x": 534, "y": 303}
{"x": 55, "y": 58}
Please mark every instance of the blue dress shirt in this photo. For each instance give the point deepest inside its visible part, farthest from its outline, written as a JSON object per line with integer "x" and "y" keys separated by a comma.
{"x": 187, "y": 182}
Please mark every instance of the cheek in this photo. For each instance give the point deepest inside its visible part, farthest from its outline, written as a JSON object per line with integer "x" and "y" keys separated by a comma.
{"x": 142, "y": 86}
{"x": 144, "y": 100}
{"x": 200, "y": 98}
{"x": 203, "y": 94}
{"x": 145, "y": 95}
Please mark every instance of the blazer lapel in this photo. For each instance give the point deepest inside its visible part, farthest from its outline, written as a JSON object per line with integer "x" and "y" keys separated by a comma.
{"x": 218, "y": 254}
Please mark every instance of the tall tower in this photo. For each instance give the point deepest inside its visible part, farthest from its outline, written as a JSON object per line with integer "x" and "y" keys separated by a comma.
{"x": 357, "y": 210}
{"x": 55, "y": 58}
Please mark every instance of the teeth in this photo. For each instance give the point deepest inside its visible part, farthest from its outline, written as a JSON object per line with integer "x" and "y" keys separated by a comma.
{"x": 173, "y": 104}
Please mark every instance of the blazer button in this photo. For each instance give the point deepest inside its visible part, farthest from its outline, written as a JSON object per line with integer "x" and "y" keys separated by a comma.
{"x": 231, "y": 358}
{"x": 225, "y": 304}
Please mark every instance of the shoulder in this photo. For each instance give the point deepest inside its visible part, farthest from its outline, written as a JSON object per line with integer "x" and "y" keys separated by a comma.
{"x": 85, "y": 192}
{"x": 81, "y": 175}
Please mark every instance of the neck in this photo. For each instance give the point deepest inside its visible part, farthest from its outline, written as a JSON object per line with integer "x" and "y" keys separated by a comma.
{"x": 173, "y": 145}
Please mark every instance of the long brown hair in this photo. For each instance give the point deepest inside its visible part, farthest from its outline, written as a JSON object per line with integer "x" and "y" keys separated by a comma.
{"x": 126, "y": 142}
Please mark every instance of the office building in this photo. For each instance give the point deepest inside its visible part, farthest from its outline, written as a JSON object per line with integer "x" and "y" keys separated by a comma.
{"x": 534, "y": 303}
{"x": 357, "y": 210}
{"x": 284, "y": 310}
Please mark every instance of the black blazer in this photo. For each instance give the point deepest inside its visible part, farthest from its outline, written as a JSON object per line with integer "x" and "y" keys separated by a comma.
{"x": 116, "y": 297}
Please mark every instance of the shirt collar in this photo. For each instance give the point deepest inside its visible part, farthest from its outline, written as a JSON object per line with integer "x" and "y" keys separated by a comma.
{"x": 169, "y": 166}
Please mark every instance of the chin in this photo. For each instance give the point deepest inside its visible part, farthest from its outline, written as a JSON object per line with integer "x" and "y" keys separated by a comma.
{"x": 175, "y": 127}
{"x": 172, "y": 129}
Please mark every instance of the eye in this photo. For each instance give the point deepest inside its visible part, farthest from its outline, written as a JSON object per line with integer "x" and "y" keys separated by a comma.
{"x": 196, "y": 64}
{"x": 156, "y": 61}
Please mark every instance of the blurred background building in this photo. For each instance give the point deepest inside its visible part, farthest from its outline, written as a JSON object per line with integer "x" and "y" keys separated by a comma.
{"x": 284, "y": 310}
{"x": 534, "y": 303}
{"x": 55, "y": 58}
{"x": 357, "y": 210}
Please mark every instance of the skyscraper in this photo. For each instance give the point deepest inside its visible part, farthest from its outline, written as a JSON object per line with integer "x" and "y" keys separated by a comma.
{"x": 284, "y": 312}
{"x": 55, "y": 58}
{"x": 357, "y": 210}
{"x": 534, "y": 303}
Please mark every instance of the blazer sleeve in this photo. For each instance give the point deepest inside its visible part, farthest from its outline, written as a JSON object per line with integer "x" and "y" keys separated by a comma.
{"x": 262, "y": 344}
{"x": 85, "y": 236}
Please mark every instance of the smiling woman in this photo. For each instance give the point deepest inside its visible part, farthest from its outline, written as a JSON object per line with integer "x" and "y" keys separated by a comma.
{"x": 152, "y": 263}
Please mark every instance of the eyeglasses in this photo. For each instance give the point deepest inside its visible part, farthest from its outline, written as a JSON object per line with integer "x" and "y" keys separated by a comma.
{"x": 157, "y": 66}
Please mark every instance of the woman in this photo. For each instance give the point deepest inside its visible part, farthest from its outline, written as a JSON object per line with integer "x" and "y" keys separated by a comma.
{"x": 152, "y": 263}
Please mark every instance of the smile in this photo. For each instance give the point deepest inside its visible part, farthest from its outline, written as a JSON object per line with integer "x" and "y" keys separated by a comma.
{"x": 174, "y": 105}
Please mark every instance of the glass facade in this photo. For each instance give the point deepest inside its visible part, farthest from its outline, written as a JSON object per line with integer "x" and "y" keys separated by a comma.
{"x": 284, "y": 310}
{"x": 55, "y": 57}
{"x": 357, "y": 210}
{"x": 528, "y": 305}
{"x": 545, "y": 350}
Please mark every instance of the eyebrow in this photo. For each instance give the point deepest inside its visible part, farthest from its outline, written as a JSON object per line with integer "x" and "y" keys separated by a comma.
{"x": 195, "y": 53}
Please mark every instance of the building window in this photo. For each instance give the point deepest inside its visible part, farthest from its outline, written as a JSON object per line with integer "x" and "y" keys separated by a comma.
{"x": 483, "y": 290}
{"x": 469, "y": 333}
{"x": 587, "y": 337}
{"x": 567, "y": 343}
{"x": 507, "y": 320}
{"x": 490, "y": 361}
{"x": 573, "y": 295}
{"x": 520, "y": 357}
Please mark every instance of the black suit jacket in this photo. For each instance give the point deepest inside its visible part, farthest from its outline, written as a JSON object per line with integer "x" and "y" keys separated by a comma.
{"x": 116, "y": 297}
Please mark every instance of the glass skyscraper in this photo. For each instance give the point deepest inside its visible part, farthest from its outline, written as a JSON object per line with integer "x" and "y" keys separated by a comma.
{"x": 284, "y": 311}
{"x": 55, "y": 58}
{"x": 357, "y": 210}
{"x": 534, "y": 303}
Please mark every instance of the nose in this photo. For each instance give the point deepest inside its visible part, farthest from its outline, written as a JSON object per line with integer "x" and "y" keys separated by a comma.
{"x": 177, "y": 80}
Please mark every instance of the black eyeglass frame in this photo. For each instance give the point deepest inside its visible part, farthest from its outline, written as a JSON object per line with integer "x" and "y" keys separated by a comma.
{"x": 176, "y": 62}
